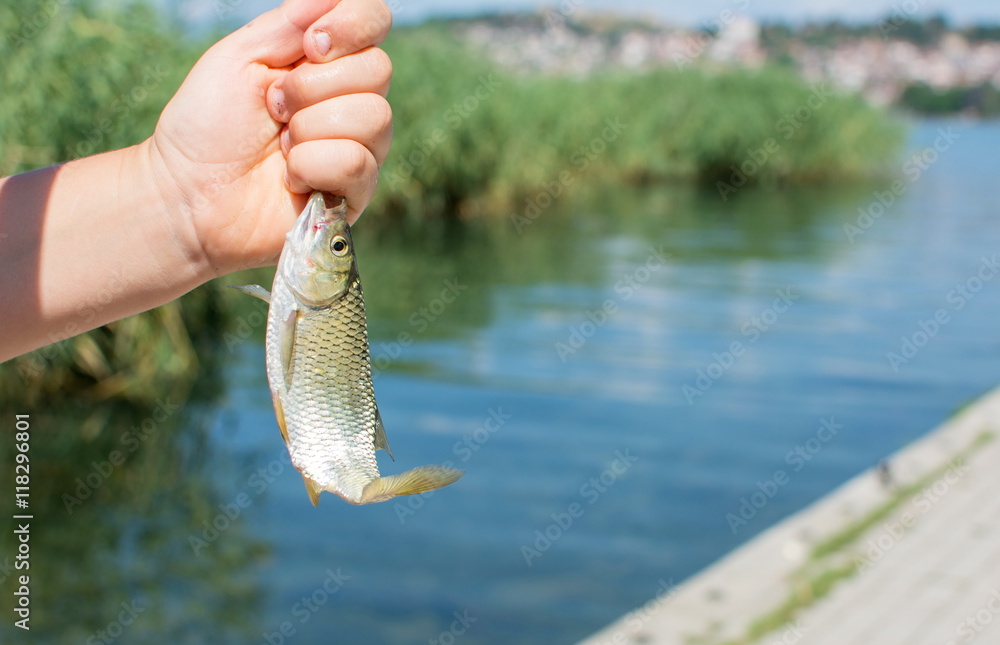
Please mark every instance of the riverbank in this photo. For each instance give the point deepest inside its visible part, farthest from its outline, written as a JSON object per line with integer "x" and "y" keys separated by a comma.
{"x": 901, "y": 553}
{"x": 474, "y": 139}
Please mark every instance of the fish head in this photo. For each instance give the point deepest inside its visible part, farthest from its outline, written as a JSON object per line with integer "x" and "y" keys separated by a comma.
{"x": 321, "y": 258}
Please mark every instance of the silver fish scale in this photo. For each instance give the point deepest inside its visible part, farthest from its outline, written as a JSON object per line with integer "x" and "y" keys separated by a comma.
{"x": 318, "y": 366}
{"x": 329, "y": 408}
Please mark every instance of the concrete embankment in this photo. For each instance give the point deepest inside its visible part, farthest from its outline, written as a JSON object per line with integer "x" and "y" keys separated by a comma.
{"x": 906, "y": 554}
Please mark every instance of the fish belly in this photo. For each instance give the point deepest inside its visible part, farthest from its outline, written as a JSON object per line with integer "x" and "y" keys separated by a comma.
{"x": 328, "y": 399}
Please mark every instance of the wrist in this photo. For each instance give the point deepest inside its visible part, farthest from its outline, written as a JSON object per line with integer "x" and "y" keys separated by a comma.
{"x": 169, "y": 213}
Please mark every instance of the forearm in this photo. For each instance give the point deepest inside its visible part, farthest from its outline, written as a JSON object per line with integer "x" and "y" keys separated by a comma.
{"x": 86, "y": 243}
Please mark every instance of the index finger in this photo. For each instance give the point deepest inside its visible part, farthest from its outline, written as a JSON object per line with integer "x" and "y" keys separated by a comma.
{"x": 367, "y": 71}
{"x": 352, "y": 25}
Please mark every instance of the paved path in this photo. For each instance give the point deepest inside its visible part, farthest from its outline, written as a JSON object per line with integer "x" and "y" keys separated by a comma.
{"x": 926, "y": 574}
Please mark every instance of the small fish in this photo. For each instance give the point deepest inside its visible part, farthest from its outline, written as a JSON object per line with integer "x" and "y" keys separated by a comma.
{"x": 318, "y": 365}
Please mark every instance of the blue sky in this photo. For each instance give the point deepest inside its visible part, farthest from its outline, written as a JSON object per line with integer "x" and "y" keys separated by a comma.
{"x": 705, "y": 10}
{"x": 687, "y": 13}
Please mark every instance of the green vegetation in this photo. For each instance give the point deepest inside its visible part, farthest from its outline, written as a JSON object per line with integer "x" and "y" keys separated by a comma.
{"x": 471, "y": 141}
{"x": 82, "y": 79}
{"x": 982, "y": 100}
{"x": 896, "y": 25}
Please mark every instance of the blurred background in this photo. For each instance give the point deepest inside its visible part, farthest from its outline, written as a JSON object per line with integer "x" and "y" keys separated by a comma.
{"x": 624, "y": 262}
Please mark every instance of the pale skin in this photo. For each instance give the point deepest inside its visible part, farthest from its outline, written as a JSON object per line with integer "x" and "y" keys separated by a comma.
{"x": 292, "y": 102}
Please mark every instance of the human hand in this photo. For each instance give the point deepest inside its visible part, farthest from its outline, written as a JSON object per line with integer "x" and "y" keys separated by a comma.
{"x": 265, "y": 117}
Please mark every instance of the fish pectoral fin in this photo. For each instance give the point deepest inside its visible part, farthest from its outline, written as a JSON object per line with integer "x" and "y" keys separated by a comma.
{"x": 279, "y": 414}
{"x": 254, "y": 290}
{"x": 418, "y": 480}
{"x": 381, "y": 442}
{"x": 286, "y": 344}
{"x": 313, "y": 489}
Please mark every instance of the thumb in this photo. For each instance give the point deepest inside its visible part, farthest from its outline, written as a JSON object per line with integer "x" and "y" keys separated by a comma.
{"x": 276, "y": 38}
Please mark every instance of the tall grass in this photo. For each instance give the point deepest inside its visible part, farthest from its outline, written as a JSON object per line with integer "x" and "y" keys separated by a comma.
{"x": 84, "y": 76}
{"x": 81, "y": 77}
{"x": 475, "y": 140}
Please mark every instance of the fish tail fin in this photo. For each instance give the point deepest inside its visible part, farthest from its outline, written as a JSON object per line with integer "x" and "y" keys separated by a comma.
{"x": 313, "y": 489}
{"x": 418, "y": 480}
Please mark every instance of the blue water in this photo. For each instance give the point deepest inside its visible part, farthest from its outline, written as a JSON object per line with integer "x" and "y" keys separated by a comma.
{"x": 613, "y": 403}
{"x": 610, "y": 406}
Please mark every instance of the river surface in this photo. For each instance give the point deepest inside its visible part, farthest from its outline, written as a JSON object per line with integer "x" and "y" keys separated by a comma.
{"x": 619, "y": 378}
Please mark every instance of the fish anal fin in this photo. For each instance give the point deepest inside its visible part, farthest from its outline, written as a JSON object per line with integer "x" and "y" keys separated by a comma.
{"x": 254, "y": 290}
{"x": 313, "y": 489}
{"x": 418, "y": 480}
{"x": 381, "y": 442}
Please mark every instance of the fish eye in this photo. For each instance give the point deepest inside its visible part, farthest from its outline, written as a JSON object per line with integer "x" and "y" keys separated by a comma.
{"x": 339, "y": 246}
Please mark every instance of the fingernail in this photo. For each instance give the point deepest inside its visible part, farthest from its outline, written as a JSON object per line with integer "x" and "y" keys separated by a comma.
{"x": 286, "y": 141}
{"x": 322, "y": 41}
{"x": 278, "y": 98}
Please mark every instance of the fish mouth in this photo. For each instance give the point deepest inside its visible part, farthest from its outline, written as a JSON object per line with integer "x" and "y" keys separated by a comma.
{"x": 321, "y": 210}
{"x": 304, "y": 265}
{"x": 324, "y": 208}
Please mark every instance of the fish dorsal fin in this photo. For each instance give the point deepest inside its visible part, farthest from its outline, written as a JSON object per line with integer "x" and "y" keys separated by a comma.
{"x": 418, "y": 480}
{"x": 254, "y": 290}
{"x": 381, "y": 442}
{"x": 286, "y": 344}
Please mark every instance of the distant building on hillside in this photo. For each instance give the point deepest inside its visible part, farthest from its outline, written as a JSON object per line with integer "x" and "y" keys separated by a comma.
{"x": 738, "y": 42}
{"x": 880, "y": 65}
